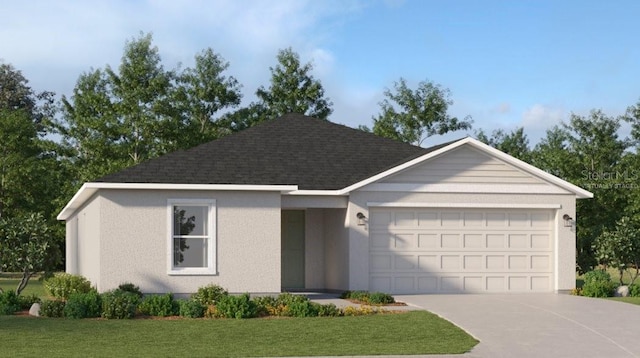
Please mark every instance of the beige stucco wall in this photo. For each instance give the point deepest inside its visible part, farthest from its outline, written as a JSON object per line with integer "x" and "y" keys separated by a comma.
{"x": 359, "y": 243}
{"x": 83, "y": 242}
{"x": 135, "y": 238}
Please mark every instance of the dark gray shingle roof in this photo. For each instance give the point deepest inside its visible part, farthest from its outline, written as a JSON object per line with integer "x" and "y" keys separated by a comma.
{"x": 291, "y": 150}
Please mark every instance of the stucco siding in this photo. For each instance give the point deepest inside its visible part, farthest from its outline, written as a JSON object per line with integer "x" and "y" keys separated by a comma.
{"x": 135, "y": 241}
{"x": 84, "y": 247}
{"x": 564, "y": 236}
{"x": 464, "y": 165}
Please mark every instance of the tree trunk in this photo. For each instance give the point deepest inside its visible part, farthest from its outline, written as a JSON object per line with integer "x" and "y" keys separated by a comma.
{"x": 26, "y": 275}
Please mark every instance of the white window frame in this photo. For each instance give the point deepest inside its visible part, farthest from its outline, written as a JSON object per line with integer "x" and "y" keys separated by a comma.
{"x": 211, "y": 268}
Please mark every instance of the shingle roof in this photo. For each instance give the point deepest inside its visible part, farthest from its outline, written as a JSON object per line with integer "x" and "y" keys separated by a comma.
{"x": 292, "y": 150}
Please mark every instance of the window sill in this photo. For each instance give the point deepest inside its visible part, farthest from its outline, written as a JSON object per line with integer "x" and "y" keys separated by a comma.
{"x": 192, "y": 272}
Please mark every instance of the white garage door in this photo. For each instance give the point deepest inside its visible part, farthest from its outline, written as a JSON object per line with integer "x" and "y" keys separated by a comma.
{"x": 457, "y": 250}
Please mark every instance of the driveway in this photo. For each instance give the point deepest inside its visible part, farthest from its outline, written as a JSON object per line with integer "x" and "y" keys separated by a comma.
{"x": 540, "y": 325}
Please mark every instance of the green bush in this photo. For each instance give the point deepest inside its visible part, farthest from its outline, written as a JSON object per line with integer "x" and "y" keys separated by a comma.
{"x": 597, "y": 283}
{"x": 118, "y": 304}
{"x": 373, "y": 298}
{"x": 299, "y": 308}
{"x": 52, "y": 308}
{"x": 380, "y": 298}
{"x": 634, "y": 290}
{"x": 159, "y": 305}
{"x": 83, "y": 305}
{"x": 191, "y": 309}
{"x": 129, "y": 287}
{"x": 27, "y": 301}
{"x": 328, "y": 310}
{"x": 9, "y": 302}
{"x": 62, "y": 285}
{"x": 209, "y": 295}
{"x": 236, "y": 307}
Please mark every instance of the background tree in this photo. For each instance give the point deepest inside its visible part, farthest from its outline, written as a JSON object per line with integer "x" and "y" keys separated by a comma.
{"x": 27, "y": 246}
{"x": 292, "y": 89}
{"x": 412, "y": 116}
{"x": 514, "y": 143}
{"x": 619, "y": 248}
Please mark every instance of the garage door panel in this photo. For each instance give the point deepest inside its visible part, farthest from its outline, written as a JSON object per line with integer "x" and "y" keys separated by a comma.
{"x": 461, "y": 251}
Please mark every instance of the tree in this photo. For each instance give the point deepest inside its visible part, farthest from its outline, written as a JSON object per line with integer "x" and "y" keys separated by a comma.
{"x": 588, "y": 152}
{"x": 620, "y": 248}
{"x": 412, "y": 116}
{"x": 27, "y": 246}
{"x": 202, "y": 92}
{"x": 514, "y": 143}
{"x": 292, "y": 89}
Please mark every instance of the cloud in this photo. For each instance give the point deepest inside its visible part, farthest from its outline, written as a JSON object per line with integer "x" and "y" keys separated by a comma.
{"x": 502, "y": 108}
{"x": 542, "y": 117}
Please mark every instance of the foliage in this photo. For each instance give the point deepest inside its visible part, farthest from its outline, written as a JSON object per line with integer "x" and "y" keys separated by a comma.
{"x": 360, "y": 311}
{"x": 63, "y": 285}
{"x": 9, "y": 303}
{"x": 209, "y": 295}
{"x": 190, "y": 309}
{"x": 373, "y": 298}
{"x": 26, "y": 246}
{"x": 514, "y": 143}
{"x": 413, "y": 115}
{"x": 288, "y": 305}
{"x": 130, "y": 287}
{"x": 634, "y": 290}
{"x": 159, "y": 305}
{"x": 597, "y": 283}
{"x": 26, "y": 301}
{"x": 83, "y": 305}
{"x": 620, "y": 248}
{"x": 52, "y": 308}
{"x": 328, "y": 310}
{"x": 237, "y": 307}
{"x": 292, "y": 90}
{"x": 118, "y": 304}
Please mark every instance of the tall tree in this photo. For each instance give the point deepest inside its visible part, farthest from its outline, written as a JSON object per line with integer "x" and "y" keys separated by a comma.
{"x": 514, "y": 143}
{"x": 588, "y": 152}
{"x": 202, "y": 92}
{"x": 292, "y": 89}
{"x": 412, "y": 116}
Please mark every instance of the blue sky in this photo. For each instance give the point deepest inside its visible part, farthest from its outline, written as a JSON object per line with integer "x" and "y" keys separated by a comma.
{"x": 507, "y": 63}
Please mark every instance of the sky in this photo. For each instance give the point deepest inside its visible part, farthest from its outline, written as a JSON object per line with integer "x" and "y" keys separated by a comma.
{"x": 508, "y": 64}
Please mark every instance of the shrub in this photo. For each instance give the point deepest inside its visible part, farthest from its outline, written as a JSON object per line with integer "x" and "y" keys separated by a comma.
{"x": 597, "y": 283}
{"x": 211, "y": 311}
{"x": 328, "y": 310}
{"x": 191, "y": 309}
{"x": 373, "y": 298}
{"x": 380, "y": 298}
{"x": 159, "y": 305}
{"x": 9, "y": 302}
{"x": 576, "y": 291}
{"x": 119, "y": 304}
{"x": 129, "y": 287}
{"x": 634, "y": 290}
{"x": 209, "y": 295}
{"x": 62, "y": 285}
{"x": 266, "y": 305}
{"x": 304, "y": 308}
{"x": 236, "y": 307}
{"x": 52, "y": 308}
{"x": 83, "y": 305}
{"x": 27, "y": 301}
{"x": 360, "y": 311}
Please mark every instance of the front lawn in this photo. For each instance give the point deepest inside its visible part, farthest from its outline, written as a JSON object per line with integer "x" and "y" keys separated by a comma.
{"x": 414, "y": 333}
{"x": 633, "y": 300}
{"x": 9, "y": 282}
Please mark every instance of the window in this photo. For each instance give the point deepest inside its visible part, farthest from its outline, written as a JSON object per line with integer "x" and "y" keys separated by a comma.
{"x": 192, "y": 237}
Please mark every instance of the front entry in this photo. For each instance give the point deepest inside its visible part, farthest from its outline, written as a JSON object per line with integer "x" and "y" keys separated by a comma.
{"x": 292, "y": 241}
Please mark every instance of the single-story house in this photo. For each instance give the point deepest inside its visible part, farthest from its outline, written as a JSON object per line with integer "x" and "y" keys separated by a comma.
{"x": 299, "y": 203}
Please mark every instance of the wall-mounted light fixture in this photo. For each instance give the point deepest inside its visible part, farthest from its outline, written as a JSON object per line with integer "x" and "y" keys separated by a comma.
{"x": 568, "y": 220}
{"x": 361, "y": 218}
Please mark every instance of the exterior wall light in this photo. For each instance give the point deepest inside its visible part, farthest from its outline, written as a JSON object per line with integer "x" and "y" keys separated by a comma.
{"x": 361, "y": 218}
{"x": 568, "y": 220}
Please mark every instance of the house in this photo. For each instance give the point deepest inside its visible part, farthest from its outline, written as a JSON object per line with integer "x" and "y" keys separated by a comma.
{"x": 303, "y": 204}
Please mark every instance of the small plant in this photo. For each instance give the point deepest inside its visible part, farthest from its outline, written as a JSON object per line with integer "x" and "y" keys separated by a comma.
{"x": 211, "y": 311}
{"x": 597, "y": 283}
{"x": 209, "y": 295}
{"x": 129, "y": 287}
{"x": 360, "y": 311}
{"x": 62, "y": 285}
{"x": 27, "y": 301}
{"x": 118, "y": 304}
{"x": 365, "y": 297}
{"x": 634, "y": 290}
{"x": 159, "y": 305}
{"x": 83, "y": 305}
{"x": 304, "y": 308}
{"x": 380, "y": 298}
{"x": 52, "y": 308}
{"x": 237, "y": 307}
{"x": 191, "y": 309}
{"x": 328, "y": 310}
{"x": 576, "y": 291}
{"x": 9, "y": 302}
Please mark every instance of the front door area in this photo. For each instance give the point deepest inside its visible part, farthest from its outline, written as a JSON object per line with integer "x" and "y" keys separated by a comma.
{"x": 292, "y": 241}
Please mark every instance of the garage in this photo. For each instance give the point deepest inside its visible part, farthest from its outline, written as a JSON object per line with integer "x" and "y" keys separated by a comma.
{"x": 461, "y": 250}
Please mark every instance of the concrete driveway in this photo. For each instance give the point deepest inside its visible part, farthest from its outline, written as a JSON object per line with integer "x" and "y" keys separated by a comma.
{"x": 540, "y": 325}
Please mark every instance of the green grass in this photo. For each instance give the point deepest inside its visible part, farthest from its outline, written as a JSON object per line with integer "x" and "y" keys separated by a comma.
{"x": 633, "y": 300}
{"x": 9, "y": 283}
{"x": 416, "y": 332}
